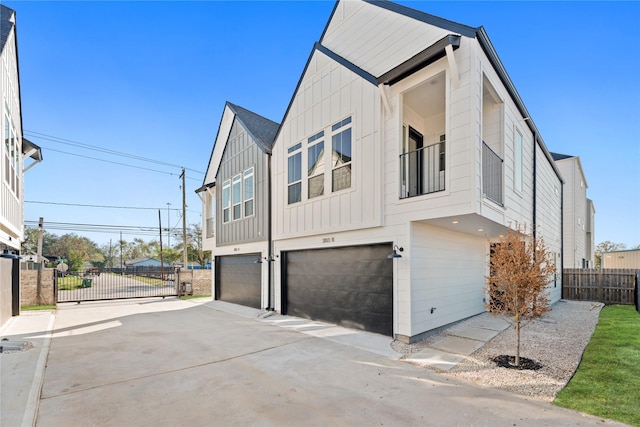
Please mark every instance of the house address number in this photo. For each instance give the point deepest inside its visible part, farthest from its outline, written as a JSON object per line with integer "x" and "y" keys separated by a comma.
{"x": 328, "y": 239}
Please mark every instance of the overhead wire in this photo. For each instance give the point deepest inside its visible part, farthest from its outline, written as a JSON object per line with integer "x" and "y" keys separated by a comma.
{"x": 104, "y": 150}
{"x": 109, "y": 206}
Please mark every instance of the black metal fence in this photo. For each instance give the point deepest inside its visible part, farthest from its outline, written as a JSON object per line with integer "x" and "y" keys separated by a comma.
{"x": 491, "y": 174}
{"x": 116, "y": 283}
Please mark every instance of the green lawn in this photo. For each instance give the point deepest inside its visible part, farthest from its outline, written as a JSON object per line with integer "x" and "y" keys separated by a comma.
{"x": 607, "y": 382}
{"x": 68, "y": 283}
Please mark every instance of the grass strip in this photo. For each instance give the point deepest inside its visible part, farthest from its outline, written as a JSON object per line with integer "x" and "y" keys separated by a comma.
{"x": 607, "y": 381}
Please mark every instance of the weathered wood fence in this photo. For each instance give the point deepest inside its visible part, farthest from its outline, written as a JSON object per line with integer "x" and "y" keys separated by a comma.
{"x": 609, "y": 286}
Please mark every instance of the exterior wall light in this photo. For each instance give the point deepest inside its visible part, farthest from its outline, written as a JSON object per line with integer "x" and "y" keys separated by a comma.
{"x": 395, "y": 253}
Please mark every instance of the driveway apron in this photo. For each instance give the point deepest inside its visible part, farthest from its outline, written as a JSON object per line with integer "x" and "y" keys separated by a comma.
{"x": 184, "y": 363}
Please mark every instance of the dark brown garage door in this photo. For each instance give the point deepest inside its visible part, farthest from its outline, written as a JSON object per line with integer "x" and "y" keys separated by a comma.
{"x": 350, "y": 286}
{"x": 238, "y": 280}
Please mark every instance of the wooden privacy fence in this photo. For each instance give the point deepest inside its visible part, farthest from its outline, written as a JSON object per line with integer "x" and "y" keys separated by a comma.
{"x": 609, "y": 286}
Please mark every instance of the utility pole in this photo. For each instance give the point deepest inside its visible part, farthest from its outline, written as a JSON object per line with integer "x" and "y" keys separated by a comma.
{"x": 121, "y": 253}
{"x": 39, "y": 257}
{"x": 184, "y": 219}
{"x": 168, "y": 225}
{"x": 161, "y": 255}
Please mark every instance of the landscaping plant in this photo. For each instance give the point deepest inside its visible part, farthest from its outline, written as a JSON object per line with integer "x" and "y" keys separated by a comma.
{"x": 520, "y": 268}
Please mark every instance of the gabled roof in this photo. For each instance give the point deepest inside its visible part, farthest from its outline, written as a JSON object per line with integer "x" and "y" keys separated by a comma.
{"x": 6, "y": 24}
{"x": 558, "y": 156}
{"x": 261, "y": 130}
{"x": 394, "y": 63}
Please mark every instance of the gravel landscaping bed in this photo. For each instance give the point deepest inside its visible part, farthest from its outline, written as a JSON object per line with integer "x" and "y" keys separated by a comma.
{"x": 555, "y": 341}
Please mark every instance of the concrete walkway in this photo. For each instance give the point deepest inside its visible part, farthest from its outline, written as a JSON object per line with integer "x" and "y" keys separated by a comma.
{"x": 458, "y": 341}
{"x": 200, "y": 362}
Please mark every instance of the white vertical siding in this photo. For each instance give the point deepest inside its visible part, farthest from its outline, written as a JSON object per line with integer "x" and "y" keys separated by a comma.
{"x": 327, "y": 94}
{"x": 11, "y": 203}
{"x": 447, "y": 273}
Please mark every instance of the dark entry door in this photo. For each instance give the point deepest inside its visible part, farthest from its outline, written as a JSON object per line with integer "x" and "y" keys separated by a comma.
{"x": 239, "y": 280}
{"x": 351, "y": 286}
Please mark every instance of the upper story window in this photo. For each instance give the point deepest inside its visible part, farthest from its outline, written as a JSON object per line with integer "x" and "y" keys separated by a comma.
{"x": 294, "y": 179}
{"x": 11, "y": 154}
{"x": 315, "y": 170}
{"x": 341, "y": 155}
{"x": 238, "y": 196}
{"x": 517, "y": 160}
{"x": 226, "y": 201}
{"x": 248, "y": 192}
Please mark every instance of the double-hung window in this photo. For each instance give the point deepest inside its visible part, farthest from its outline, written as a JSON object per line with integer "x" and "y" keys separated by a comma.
{"x": 226, "y": 201}
{"x": 315, "y": 170}
{"x": 294, "y": 179}
{"x": 248, "y": 180}
{"x": 341, "y": 155}
{"x": 517, "y": 167}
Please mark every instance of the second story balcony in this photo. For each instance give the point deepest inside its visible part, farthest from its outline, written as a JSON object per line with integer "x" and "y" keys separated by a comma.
{"x": 422, "y": 171}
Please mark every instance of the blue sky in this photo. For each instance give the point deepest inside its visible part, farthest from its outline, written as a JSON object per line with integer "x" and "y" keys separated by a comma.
{"x": 150, "y": 79}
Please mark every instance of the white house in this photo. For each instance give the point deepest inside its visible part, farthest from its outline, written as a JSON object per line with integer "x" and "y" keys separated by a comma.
{"x": 236, "y": 199}
{"x": 578, "y": 214}
{"x": 15, "y": 151}
{"x": 405, "y": 136}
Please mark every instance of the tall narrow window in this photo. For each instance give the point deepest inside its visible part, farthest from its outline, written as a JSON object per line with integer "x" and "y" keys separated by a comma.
{"x": 226, "y": 201}
{"x": 236, "y": 196}
{"x": 315, "y": 169}
{"x": 294, "y": 179}
{"x": 517, "y": 154}
{"x": 341, "y": 155}
{"x": 248, "y": 192}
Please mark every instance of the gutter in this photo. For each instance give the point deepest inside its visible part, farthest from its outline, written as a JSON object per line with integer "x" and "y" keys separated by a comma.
{"x": 269, "y": 238}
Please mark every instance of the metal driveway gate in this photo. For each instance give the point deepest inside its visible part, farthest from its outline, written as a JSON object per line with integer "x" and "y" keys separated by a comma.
{"x": 116, "y": 283}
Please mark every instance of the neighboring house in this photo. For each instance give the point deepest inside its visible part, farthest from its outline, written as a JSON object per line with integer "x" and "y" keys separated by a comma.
{"x": 578, "y": 214}
{"x": 236, "y": 192}
{"x": 145, "y": 262}
{"x": 403, "y": 154}
{"x": 15, "y": 151}
{"x": 629, "y": 258}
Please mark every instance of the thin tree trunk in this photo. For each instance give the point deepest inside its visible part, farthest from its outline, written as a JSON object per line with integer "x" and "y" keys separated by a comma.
{"x": 517, "y": 340}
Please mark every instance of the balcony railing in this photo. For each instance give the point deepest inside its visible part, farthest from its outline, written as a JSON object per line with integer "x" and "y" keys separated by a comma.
{"x": 422, "y": 171}
{"x": 491, "y": 175}
{"x": 210, "y": 228}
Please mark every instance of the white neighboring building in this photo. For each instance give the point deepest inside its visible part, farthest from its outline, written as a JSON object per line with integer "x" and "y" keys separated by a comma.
{"x": 405, "y": 135}
{"x": 578, "y": 214}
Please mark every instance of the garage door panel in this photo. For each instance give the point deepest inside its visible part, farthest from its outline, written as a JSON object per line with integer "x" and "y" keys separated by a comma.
{"x": 350, "y": 286}
{"x": 240, "y": 280}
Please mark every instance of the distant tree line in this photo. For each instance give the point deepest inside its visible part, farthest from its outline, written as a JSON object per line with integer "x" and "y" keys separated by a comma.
{"x": 78, "y": 251}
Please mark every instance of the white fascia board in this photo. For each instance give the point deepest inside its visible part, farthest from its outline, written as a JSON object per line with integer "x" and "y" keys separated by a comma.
{"x": 221, "y": 141}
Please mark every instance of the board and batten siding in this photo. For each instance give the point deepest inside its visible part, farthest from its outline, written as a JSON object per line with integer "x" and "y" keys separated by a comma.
{"x": 328, "y": 93}
{"x": 242, "y": 153}
{"x": 447, "y": 273}
{"x": 11, "y": 206}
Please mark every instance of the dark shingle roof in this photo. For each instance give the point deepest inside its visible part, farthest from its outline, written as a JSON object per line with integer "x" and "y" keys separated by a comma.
{"x": 262, "y": 129}
{"x": 5, "y": 24}
{"x": 558, "y": 156}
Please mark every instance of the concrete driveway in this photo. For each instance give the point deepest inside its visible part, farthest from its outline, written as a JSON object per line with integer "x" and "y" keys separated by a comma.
{"x": 207, "y": 363}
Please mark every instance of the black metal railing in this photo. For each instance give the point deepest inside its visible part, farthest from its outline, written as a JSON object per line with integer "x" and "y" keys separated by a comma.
{"x": 422, "y": 171}
{"x": 492, "y": 175}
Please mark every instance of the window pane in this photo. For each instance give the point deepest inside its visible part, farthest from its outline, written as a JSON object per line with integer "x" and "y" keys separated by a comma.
{"x": 226, "y": 195}
{"x": 342, "y": 178}
{"x": 248, "y": 187}
{"x": 237, "y": 211}
{"x": 248, "y": 208}
{"x": 295, "y": 168}
{"x": 316, "y": 186}
{"x": 236, "y": 192}
{"x": 342, "y": 147}
{"x": 225, "y": 215}
{"x": 316, "y": 159}
{"x": 295, "y": 192}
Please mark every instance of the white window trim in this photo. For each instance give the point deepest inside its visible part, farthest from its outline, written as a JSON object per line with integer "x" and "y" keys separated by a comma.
{"x": 249, "y": 173}
{"x": 518, "y": 160}
{"x": 226, "y": 204}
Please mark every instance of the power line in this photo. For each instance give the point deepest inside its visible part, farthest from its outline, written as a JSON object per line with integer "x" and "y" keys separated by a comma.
{"x": 105, "y": 206}
{"x": 103, "y": 150}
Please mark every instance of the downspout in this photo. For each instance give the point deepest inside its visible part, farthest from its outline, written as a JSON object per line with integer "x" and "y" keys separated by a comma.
{"x": 270, "y": 254}
{"x": 561, "y": 240}
{"x": 535, "y": 180}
